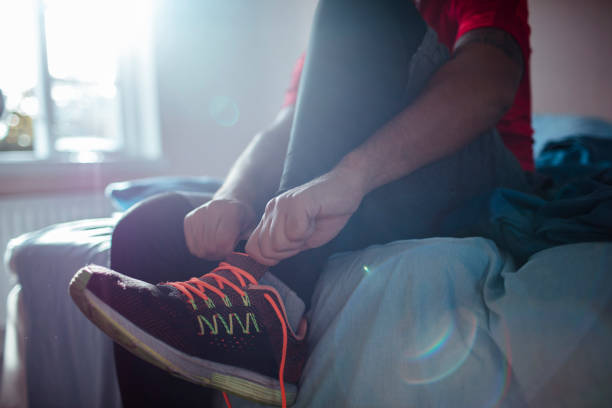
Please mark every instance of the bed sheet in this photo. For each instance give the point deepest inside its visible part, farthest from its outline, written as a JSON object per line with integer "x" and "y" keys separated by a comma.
{"x": 450, "y": 322}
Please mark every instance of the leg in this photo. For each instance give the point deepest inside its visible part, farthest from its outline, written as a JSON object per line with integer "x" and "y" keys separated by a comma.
{"x": 148, "y": 244}
{"x": 355, "y": 76}
{"x": 360, "y": 71}
{"x": 356, "y": 73}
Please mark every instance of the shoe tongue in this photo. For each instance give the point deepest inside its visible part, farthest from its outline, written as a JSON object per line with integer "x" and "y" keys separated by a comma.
{"x": 243, "y": 261}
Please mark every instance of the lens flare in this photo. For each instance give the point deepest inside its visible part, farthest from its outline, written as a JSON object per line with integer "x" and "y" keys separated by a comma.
{"x": 224, "y": 111}
{"x": 443, "y": 353}
{"x": 434, "y": 347}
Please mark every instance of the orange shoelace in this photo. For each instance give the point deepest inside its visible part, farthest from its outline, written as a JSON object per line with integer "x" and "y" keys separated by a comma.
{"x": 198, "y": 287}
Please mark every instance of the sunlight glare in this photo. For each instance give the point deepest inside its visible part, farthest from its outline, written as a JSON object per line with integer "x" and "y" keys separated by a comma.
{"x": 86, "y": 37}
{"x": 18, "y": 67}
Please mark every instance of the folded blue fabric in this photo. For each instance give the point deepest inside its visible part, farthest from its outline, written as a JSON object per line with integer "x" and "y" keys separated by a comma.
{"x": 127, "y": 193}
{"x": 524, "y": 223}
{"x": 576, "y": 206}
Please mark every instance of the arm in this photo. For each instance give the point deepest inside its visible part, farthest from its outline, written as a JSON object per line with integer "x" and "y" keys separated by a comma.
{"x": 213, "y": 229}
{"x": 468, "y": 95}
{"x": 255, "y": 176}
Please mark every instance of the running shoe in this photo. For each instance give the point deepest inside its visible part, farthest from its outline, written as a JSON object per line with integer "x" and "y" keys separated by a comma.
{"x": 222, "y": 330}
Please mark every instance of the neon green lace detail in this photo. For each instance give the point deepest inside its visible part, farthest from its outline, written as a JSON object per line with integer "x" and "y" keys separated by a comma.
{"x": 213, "y": 326}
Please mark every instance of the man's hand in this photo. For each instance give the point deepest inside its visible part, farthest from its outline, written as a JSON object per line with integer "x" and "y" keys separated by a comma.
{"x": 213, "y": 229}
{"x": 305, "y": 217}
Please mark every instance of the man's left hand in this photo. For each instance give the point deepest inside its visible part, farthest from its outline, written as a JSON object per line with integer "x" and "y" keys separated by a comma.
{"x": 305, "y": 217}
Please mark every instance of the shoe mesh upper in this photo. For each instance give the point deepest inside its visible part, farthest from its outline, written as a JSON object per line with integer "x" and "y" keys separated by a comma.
{"x": 246, "y": 336}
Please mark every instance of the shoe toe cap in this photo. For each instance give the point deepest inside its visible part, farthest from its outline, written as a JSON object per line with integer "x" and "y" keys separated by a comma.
{"x": 154, "y": 309}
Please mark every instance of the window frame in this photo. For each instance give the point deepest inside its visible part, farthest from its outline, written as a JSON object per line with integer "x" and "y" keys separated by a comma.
{"x": 47, "y": 169}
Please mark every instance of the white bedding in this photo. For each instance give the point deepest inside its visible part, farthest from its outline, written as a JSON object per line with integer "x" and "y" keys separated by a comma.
{"x": 434, "y": 323}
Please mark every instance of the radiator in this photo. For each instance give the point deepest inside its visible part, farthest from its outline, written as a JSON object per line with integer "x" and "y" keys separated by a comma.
{"x": 23, "y": 214}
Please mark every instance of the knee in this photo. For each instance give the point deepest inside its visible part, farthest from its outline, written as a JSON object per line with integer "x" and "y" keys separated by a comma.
{"x": 155, "y": 218}
{"x": 146, "y": 213}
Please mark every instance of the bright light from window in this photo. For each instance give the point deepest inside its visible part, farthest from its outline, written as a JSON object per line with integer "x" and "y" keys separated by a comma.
{"x": 18, "y": 69}
{"x": 77, "y": 103}
{"x": 86, "y": 37}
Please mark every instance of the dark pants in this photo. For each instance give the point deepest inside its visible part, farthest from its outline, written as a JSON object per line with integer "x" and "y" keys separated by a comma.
{"x": 359, "y": 73}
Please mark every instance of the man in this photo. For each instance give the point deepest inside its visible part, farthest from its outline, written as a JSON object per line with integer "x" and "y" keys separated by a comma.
{"x": 385, "y": 136}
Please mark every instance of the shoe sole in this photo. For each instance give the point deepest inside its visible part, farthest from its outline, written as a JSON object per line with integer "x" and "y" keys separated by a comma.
{"x": 238, "y": 381}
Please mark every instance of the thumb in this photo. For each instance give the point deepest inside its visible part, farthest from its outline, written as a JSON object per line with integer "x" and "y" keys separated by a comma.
{"x": 299, "y": 226}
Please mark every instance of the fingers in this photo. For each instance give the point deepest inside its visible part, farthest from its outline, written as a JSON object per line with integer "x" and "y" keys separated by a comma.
{"x": 282, "y": 232}
{"x": 224, "y": 239}
{"x": 257, "y": 247}
{"x": 213, "y": 230}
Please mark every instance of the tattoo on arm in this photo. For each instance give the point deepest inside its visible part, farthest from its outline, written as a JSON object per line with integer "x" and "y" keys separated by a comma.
{"x": 494, "y": 37}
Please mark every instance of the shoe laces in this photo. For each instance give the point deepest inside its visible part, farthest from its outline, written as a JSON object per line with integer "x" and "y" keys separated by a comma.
{"x": 198, "y": 287}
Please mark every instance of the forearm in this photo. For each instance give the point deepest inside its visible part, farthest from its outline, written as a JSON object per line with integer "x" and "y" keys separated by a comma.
{"x": 467, "y": 96}
{"x": 255, "y": 176}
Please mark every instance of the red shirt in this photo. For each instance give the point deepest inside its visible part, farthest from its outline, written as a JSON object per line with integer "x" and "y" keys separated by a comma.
{"x": 453, "y": 18}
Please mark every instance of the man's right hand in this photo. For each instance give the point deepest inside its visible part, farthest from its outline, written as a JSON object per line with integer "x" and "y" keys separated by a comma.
{"x": 213, "y": 229}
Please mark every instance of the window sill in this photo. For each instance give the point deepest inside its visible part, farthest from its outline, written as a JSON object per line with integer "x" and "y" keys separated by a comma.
{"x": 45, "y": 176}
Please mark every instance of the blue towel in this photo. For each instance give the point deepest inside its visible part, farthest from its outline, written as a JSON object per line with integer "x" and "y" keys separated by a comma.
{"x": 574, "y": 206}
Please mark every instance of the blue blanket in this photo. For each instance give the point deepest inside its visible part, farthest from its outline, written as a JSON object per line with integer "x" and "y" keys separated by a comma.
{"x": 578, "y": 211}
{"x": 573, "y": 204}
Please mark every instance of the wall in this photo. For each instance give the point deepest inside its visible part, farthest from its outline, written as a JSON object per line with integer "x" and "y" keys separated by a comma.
{"x": 572, "y": 56}
{"x": 235, "y": 57}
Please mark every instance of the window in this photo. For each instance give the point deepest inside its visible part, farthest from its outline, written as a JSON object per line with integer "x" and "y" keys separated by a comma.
{"x": 77, "y": 80}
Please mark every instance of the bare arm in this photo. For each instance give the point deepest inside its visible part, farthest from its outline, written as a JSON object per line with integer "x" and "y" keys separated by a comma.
{"x": 213, "y": 229}
{"x": 467, "y": 96}
{"x": 256, "y": 174}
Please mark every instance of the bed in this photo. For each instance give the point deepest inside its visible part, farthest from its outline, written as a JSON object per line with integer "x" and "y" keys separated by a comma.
{"x": 434, "y": 322}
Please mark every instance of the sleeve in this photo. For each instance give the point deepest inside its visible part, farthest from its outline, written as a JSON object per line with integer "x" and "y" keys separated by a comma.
{"x": 508, "y": 15}
{"x": 291, "y": 93}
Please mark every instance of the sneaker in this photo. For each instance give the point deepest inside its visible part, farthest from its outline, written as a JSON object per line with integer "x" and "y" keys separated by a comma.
{"x": 222, "y": 330}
